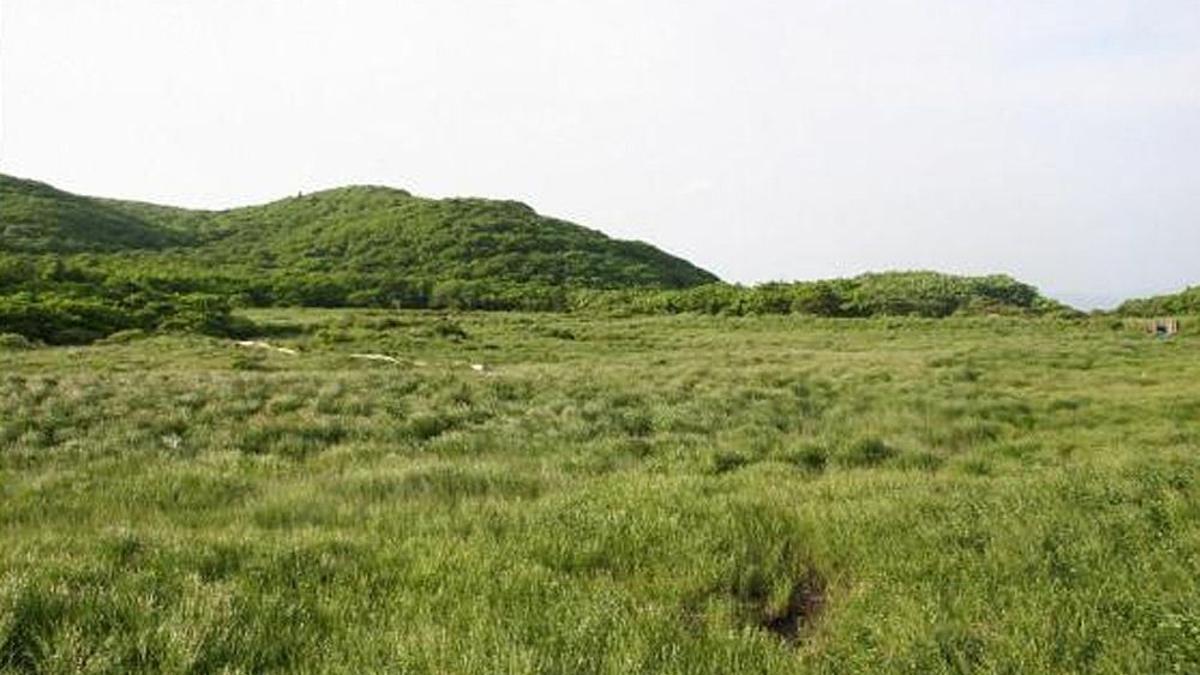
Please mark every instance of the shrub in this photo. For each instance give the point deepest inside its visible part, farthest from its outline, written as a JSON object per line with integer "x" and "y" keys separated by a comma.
{"x": 866, "y": 452}
{"x": 205, "y": 314}
{"x": 12, "y": 342}
{"x": 57, "y": 320}
{"x": 809, "y": 457}
{"x": 723, "y": 461}
{"x": 447, "y": 328}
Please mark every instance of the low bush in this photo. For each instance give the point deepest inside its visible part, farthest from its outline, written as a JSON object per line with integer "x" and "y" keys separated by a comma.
{"x": 14, "y": 342}
{"x": 68, "y": 320}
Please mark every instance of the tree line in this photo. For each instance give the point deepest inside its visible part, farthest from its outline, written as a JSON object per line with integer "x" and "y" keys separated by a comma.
{"x": 59, "y": 300}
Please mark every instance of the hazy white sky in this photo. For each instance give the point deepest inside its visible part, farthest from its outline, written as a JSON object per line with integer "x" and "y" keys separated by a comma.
{"x": 763, "y": 139}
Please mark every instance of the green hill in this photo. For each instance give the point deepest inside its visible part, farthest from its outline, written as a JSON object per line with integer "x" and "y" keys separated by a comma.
{"x": 37, "y": 218}
{"x": 355, "y": 230}
{"x": 376, "y": 230}
{"x": 75, "y": 268}
{"x": 1184, "y": 302}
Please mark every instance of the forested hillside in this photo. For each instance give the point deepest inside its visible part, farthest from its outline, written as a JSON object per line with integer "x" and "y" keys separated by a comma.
{"x": 1184, "y": 302}
{"x": 37, "y": 218}
{"x": 74, "y": 269}
{"x": 354, "y": 230}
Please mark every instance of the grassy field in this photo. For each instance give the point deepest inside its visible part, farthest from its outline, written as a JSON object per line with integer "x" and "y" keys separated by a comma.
{"x": 667, "y": 494}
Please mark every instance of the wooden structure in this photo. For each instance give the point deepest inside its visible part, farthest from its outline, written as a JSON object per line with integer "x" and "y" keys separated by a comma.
{"x": 1163, "y": 327}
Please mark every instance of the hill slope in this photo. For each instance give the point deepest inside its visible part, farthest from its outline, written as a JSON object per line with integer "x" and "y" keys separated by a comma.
{"x": 379, "y": 230}
{"x": 369, "y": 246}
{"x": 1186, "y": 301}
{"x": 359, "y": 230}
{"x": 37, "y": 218}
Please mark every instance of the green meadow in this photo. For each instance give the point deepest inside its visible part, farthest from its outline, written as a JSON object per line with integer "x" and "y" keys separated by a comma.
{"x": 551, "y": 493}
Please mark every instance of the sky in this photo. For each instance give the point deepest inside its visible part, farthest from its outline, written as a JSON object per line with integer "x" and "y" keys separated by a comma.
{"x": 1057, "y": 141}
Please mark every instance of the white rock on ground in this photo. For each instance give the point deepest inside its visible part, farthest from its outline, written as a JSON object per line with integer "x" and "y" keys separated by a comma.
{"x": 376, "y": 357}
{"x": 263, "y": 345}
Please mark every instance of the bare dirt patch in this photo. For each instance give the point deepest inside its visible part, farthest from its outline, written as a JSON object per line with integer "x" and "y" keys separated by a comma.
{"x": 803, "y": 608}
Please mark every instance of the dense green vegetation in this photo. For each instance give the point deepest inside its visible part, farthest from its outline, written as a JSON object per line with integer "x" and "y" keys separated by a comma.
{"x": 37, "y": 218}
{"x": 673, "y": 494}
{"x": 657, "y": 472}
{"x": 918, "y": 294}
{"x": 1183, "y": 302}
{"x": 73, "y": 268}
{"x": 361, "y": 232}
{"x": 147, "y": 299}
{"x": 65, "y": 320}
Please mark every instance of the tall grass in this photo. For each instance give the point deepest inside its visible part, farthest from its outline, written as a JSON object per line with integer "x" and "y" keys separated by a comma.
{"x": 667, "y": 494}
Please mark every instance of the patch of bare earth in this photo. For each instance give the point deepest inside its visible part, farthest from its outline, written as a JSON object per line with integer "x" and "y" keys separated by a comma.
{"x": 803, "y": 608}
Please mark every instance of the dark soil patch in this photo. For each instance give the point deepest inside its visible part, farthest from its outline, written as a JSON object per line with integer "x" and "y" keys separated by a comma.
{"x": 802, "y": 609}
